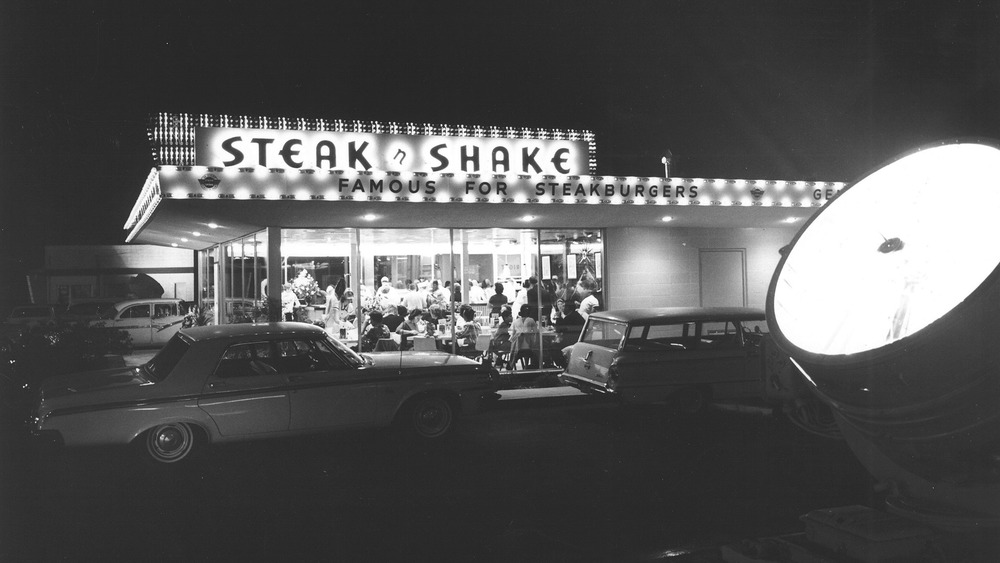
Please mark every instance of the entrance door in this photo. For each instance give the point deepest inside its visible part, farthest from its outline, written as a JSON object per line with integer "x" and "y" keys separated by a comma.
{"x": 723, "y": 277}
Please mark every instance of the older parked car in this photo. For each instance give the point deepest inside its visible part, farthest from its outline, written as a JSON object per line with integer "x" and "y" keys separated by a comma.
{"x": 237, "y": 382}
{"x": 149, "y": 323}
{"x": 685, "y": 356}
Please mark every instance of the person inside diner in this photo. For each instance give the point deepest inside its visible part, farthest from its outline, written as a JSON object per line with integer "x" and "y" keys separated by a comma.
{"x": 334, "y": 297}
{"x": 500, "y": 342}
{"x": 467, "y": 334}
{"x": 570, "y": 325}
{"x": 476, "y": 294}
{"x": 376, "y": 331}
{"x": 523, "y": 333}
{"x": 393, "y": 316}
{"x": 498, "y": 299}
{"x": 586, "y": 288}
{"x": 409, "y": 328}
{"x": 347, "y": 313}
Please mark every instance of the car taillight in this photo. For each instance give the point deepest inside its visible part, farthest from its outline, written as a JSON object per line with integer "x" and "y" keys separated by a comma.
{"x": 612, "y": 382}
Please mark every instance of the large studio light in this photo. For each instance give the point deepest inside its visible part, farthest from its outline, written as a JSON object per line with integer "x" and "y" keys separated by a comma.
{"x": 888, "y": 300}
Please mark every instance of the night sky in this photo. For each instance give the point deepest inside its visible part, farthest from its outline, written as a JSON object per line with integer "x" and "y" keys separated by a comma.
{"x": 794, "y": 90}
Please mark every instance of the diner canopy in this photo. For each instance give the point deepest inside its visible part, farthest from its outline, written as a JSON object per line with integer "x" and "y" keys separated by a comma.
{"x": 197, "y": 207}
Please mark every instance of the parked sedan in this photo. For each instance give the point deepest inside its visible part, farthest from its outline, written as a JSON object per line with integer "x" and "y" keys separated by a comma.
{"x": 238, "y": 382}
{"x": 686, "y": 356}
{"x": 149, "y": 322}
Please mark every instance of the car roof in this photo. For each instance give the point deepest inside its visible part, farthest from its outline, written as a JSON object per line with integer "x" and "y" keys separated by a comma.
{"x": 238, "y": 330}
{"x": 678, "y": 314}
{"x": 128, "y": 302}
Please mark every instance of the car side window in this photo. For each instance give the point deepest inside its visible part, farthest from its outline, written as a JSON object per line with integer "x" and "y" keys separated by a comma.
{"x": 165, "y": 310}
{"x": 335, "y": 358}
{"x": 720, "y": 335}
{"x": 136, "y": 312}
{"x": 297, "y": 355}
{"x": 246, "y": 359}
{"x": 676, "y": 336}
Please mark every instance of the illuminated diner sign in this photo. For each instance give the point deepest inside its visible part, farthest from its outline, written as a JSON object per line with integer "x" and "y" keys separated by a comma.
{"x": 251, "y": 183}
{"x": 329, "y": 150}
{"x": 367, "y": 146}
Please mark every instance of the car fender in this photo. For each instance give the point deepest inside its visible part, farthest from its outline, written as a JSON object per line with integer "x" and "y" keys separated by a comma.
{"x": 121, "y": 425}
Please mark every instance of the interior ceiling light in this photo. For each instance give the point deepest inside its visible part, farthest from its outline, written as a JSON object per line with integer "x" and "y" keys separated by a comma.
{"x": 369, "y": 217}
{"x": 667, "y": 219}
{"x": 196, "y": 233}
{"x": 528, "y": 218}
{"x": 213, "y": 226}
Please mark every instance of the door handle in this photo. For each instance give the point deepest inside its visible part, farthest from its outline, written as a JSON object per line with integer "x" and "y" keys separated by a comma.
{"x": 586, "y": 359}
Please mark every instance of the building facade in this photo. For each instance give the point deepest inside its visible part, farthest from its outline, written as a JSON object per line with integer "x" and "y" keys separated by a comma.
{"x": 313, "y": 203}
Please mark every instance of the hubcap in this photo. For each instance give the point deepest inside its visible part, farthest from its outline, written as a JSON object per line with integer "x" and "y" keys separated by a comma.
{"x": 170, "y": 443}
{"x": 432, "y": 419}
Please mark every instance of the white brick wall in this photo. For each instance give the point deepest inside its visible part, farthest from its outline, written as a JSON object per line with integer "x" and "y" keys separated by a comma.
{"x": 658, "y": 267}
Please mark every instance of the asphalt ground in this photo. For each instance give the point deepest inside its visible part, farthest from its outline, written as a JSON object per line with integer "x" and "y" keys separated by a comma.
{"x": 556, "y": 478}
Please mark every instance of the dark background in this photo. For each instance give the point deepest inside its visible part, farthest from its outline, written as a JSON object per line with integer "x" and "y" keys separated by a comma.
{"x": 777, "y": 90}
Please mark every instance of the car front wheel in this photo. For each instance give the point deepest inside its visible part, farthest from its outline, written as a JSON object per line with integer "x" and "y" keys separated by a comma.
{"x": 428, "y": 417}
{"x": 170, "y": 443}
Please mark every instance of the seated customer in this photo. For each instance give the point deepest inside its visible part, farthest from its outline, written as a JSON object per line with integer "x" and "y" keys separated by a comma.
{"x": 393, "y": 316}
{"x": 500, "y": 343}
{"x": 375, "y": 332}
{"x": 409, "y": 328}
{"x": 467, "y": 335}
{"x": 570, "y": 325}
{"x": 522, "y": 337}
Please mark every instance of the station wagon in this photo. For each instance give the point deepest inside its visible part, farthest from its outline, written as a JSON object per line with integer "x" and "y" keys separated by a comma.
{"x": 686, "y": 356}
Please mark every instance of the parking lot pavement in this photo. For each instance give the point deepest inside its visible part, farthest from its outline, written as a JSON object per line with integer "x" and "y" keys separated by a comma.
{"x": 562, "y": 482}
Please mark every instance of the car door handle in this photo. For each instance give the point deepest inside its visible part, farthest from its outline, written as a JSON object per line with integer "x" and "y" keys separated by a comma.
{"x": 586, "y": 359}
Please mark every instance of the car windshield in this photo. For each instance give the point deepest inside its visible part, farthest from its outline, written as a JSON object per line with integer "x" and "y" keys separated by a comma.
{"x": 166, "y": 359}
{"x": 350, "y": 355}
{"x": 604, "y": 333}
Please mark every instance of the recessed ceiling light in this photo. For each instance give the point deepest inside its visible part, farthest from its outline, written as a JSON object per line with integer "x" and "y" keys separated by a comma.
{"x": 184, "y": 240}
{"x": 791, "y": 220}
{"x": 370, "y": 217}
{"x": 196, "y": 233}
{"x": 528, "y": 218}
{"x": 173, "y": 244}
{"x": 213, "y": 226}
{"x": 667, "y": 219}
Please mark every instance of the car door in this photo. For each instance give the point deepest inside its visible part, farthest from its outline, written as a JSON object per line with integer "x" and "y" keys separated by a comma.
{"x": 245, "y": 395}
{"x": 167, "y": 320}
{"x": 723, "y": 361}
{"x": 324, "y": 390}
{"x": 137, "y": 321}
{"x": 592, "y": 356}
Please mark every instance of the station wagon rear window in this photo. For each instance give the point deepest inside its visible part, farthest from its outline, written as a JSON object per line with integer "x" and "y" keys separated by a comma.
{"x": 604, "y": 333}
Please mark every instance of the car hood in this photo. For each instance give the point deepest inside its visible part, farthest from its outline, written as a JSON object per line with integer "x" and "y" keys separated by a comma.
{"x": 417, "y": 360}
{"x": 91, "y": 382}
